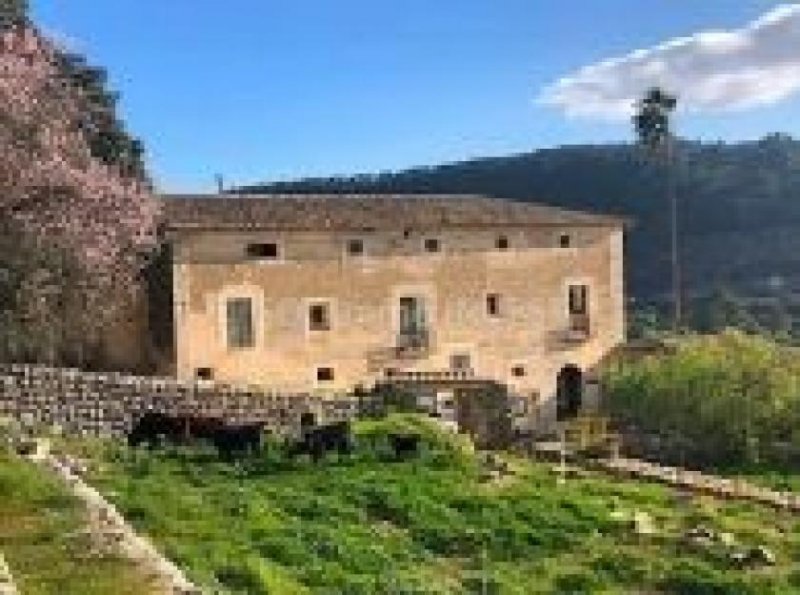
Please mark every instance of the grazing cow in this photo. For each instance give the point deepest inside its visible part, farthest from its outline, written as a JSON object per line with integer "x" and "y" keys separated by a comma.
{"x": 319, "y": 440}
{"x": 229, "y": 439}
{"x": 153, "y": 428}
{"x": 404, "y": 445}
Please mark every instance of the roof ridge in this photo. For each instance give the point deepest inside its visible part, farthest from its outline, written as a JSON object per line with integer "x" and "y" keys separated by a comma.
{"x": 366, "y": 210}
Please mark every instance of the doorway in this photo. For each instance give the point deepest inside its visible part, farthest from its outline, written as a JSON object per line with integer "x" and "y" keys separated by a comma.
{"x": 569, "y": 392}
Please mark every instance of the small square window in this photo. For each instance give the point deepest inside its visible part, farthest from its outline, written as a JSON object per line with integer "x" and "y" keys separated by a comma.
{"x": 325, "y": 374}
{"x": 565, "y": 240}
{"x": 355, "y": 247}
{"x": 502, "y": 243}
{"x": 265, "y": 251}
{"x": 432, "y": 245}
{"x": 518, "y": 371}
{"x": 493, "y": 304}
{"x": 460, "y": 361}
{"x": 204, "y": 374}
{"x": 319, "y": 317}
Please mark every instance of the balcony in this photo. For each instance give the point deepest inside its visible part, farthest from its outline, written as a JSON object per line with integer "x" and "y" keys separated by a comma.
{"x": 412, "y": 343}
{"x": 408, "y": 346}
{"x": 579, "y": 328}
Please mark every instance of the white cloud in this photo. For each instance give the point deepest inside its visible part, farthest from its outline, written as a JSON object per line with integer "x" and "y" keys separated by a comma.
{"x": 710, "y": 71}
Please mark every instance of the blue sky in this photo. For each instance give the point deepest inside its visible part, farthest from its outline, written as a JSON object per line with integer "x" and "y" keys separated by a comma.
{"x": 277, "y": 89}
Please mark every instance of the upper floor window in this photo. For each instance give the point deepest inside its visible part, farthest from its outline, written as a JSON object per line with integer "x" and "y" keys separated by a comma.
{"x": 493, "y": 304}
{"x": 319, "y": 317}
{"x": 432, "y": 245}
{"x": 501, "y": 243}
{"x": 518, "y": 370}
{"x": 264, "y": 251}
{"x": 578, "y": 299}
{"x": 240, "y": 323}
{"x": 565, "y": 240}
{"x": 355, "y": 247}
{"x": 579, "y": 321}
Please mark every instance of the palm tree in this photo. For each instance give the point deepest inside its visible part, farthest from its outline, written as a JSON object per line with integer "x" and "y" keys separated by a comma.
{"x": 652, "y": 126}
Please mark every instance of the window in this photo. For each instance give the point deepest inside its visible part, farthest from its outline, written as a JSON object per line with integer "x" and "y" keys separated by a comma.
{"x": 268, "y": 251}
{"x": 578, "y": 299}
{"x": 518, "y": 371}
{"x": 501, "y": 243}
{"x": 565, "y": 240}
{"x": 319, "y": 317}
{"x": 204, "y": 374}
{"x": 460, "y": 361}
{"x": 355, "y": 247}
{"x": 324, "y": 374}
{"x": 240, "y": 323}
{"x": 432, "y": 245}
{"x": 493, "y": 304}
{"x": 412, "y": 315}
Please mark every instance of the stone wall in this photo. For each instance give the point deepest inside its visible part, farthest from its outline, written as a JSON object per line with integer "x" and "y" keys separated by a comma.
{"x": 108, "y": 404}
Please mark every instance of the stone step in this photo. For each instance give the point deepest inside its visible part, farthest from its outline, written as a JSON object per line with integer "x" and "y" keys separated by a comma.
{"x": 702, "y": 482}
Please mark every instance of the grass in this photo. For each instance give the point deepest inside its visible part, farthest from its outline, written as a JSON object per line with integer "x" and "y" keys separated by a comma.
{"x": 42, "y": 536}
{"x": 364, "y": 524}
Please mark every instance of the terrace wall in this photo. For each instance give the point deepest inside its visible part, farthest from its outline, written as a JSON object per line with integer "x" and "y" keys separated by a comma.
{"x": 108, "y": 404}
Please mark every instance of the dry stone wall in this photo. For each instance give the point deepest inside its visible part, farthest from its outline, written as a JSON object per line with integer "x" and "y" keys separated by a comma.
{"x": 108, "y": 404}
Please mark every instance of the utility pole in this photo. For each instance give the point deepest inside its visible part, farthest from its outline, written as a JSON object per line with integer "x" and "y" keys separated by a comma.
{"x": 672, "y": 191}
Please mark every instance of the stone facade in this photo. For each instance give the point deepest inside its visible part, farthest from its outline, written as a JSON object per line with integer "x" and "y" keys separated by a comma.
{"x": 344, "y": 293}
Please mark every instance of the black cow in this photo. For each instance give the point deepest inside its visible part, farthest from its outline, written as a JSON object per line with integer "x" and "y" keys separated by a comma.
{"x": 317, "y": 441}
{"x": 155, "y": 427}
{"x": 404, "y": 445}
{"x": 229, "y": 439}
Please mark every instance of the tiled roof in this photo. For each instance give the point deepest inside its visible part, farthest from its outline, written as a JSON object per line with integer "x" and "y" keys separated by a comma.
{"x": 364, "y": 212}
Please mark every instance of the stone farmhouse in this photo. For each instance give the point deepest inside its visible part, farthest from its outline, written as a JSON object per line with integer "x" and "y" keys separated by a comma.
{"x": 323, "y": 294}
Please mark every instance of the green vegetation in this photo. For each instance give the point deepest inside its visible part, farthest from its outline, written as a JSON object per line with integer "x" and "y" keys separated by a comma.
{"x": 44, "y": 539}
{"x": 729, "y": 399}
{"x": 434, "y": 524}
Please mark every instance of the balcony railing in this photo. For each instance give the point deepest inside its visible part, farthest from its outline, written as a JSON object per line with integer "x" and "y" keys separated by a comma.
{"x": 579, "y": 328}
{"x": 428, "y": 375}
{"x": 407, "y": 347}
{"x": 412, "y": 342}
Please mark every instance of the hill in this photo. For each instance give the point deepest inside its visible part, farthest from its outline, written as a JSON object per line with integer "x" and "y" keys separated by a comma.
{"x": 739, "y": 206}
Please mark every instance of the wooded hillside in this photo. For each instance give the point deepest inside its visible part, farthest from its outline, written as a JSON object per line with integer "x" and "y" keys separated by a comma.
{"x": 739, "y": 206}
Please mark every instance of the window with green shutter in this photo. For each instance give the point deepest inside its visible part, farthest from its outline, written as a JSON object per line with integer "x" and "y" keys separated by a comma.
{"x": 240, "y": 323}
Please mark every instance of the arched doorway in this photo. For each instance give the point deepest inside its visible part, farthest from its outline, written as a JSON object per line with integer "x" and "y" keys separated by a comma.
{"x": 569, "y": 392}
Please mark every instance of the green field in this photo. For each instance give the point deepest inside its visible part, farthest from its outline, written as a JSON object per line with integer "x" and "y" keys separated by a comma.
{"x": 43, "y": 538}
{"x": 366, "y": 524}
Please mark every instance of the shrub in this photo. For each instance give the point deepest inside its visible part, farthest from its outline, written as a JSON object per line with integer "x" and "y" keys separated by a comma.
{"x": 720, "y": 399}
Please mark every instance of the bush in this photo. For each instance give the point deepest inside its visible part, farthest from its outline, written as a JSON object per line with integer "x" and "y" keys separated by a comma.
{"x": 721, "y": 399}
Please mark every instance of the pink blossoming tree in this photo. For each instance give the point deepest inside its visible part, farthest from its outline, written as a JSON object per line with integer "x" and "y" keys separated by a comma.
{"x": 86, "y": 225}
